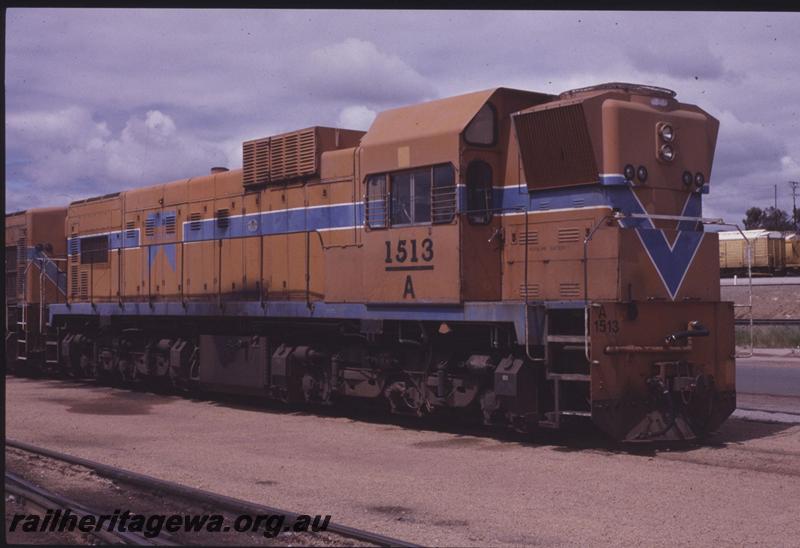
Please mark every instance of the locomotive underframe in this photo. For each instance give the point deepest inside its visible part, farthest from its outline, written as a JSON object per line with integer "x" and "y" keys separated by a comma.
{"x": 477, "y": 370}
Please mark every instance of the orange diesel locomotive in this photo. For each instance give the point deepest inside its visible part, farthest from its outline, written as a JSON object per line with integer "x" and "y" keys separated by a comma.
{"x": 34, "y": 278}
{"x": 521, "y": 257}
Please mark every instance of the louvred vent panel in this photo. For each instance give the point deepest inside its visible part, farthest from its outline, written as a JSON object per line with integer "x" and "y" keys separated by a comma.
{"x": 556, "y": 147}
{"x": 294, "y": 155}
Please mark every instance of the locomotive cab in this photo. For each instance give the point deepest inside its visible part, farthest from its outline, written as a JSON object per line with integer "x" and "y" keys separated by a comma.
{"x": 430, "y": 177}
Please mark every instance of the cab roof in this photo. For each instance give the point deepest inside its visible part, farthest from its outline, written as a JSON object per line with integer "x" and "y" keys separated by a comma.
{"x": 439, "y": 117}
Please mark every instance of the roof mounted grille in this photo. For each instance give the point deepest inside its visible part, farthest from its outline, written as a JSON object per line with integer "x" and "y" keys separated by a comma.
{"x": 294, "y": 155}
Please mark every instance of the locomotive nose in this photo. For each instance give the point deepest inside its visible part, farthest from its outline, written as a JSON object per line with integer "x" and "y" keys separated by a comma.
{"x": 644, "y": 138}
{"x": 658, "y": 143}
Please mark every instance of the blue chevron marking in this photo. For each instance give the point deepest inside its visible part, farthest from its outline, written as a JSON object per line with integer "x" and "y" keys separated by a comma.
{"x": 671, "y": 262}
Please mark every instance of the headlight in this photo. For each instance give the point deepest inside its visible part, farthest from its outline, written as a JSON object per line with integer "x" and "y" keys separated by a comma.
{"x": 687, "y": 178}
{"x": 629, "y": 172}
{"x": 641, "y": 174}
{"x": 667, "y": 153}
{"x": 667, "y": 133}
{"x": 699, "y": 180}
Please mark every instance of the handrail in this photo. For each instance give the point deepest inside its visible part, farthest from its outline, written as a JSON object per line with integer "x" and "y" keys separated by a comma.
{"x": 615, "y": 216}
{"x": 717, "y": 222}
{"x": 749, "y": 305}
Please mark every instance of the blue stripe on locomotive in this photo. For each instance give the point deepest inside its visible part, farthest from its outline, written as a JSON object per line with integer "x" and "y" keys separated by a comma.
{"x": 348, "y": 215}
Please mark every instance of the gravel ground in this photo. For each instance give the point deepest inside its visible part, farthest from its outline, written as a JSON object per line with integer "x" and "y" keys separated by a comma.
{"x": 770, "y": 302}
{"x": 432, "y": 486}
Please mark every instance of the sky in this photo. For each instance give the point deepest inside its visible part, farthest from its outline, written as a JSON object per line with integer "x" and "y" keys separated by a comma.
{"x": 101, "y": 100}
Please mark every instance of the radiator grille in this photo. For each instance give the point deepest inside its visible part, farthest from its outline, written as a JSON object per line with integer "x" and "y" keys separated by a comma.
{"x": 530, "y": 237}
{"x": 223, "y": 218}
{"x": 291, "y": 155}
{"x": 74, "y": 258}
{"x": 569, "y": 289}
{"x": 84, "y": 285}
{"x": 195, "y": 221}
{"x": 280, "y": 158}
{"x": 569, "y": 235}
{"x": 170, "y": 221}
{"x": 149, "y": 226}
{"x": 529, "y": 291}
{"x": 73, "y": 281}
{"x": 130, "y": 230}
{"x": 555, "y": 146}
{"x": 256, "y": 162}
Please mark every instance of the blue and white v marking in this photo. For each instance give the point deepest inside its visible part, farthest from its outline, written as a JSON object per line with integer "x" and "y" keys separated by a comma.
{"x": 671, "y": 261}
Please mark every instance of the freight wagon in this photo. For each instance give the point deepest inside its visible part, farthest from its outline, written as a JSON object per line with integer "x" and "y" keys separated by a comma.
{"x": 769, "y": 252}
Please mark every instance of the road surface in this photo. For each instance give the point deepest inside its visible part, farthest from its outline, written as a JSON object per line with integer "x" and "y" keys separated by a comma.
{"x": 768, "y": 375}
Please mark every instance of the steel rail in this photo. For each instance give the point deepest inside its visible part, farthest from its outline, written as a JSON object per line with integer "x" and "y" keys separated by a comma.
{"x": 222, "y": 502}
{"x": 47, "y": 500}
{"x": 778, "y": 321}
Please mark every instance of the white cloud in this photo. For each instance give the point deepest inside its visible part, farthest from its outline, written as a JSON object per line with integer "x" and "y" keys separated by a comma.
{"x": 790, "y": 166}
{"x": 356, "y": 117}
{"x": 357, "y": 68}
{"x": 56, "y": 128}
{"x": 67, "y": 149}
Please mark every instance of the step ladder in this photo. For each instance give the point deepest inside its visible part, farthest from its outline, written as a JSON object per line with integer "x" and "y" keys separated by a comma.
{"x": 565, "y": 358}
{"x": 22, "y": 334}
{"x": 51, "y": 356}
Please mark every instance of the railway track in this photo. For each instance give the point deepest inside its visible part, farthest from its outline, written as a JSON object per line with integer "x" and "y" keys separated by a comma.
{"x": 38, "y": 495}
{"x": 781, "y": 321}
{"x": 49, "y": 500}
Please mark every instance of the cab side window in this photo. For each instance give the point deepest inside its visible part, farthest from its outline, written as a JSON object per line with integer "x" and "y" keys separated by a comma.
{"x": 415, "y": 196}
{"x": 479, "y": 192}
{"x": 402, "y": 210}
{"x": 377, "y": 214}
{"x": 411, "y": 197}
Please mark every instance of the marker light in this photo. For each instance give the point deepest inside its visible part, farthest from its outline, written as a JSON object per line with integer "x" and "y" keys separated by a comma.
{"x": 629, "y": 172}
{"x": 667, "y": 153}
{"x": 641, "y": 174}
{"x": 699, "y": 180}
{"x": 667, "y": 133}
{"x": 687, "y": 178}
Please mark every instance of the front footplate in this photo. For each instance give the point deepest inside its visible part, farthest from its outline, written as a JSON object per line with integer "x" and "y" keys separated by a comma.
{"x": 663, "y": 373}
{"x": 643, "y": 421}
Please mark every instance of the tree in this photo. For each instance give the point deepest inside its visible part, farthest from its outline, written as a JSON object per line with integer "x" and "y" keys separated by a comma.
{"x": 770, "y": 218}
{"x": 753, "y": 218}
